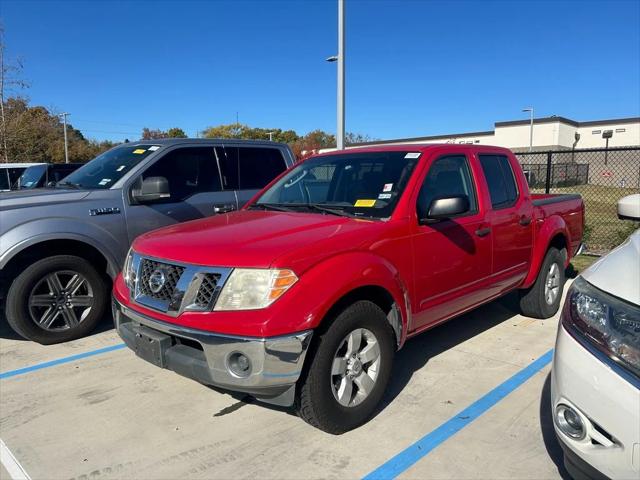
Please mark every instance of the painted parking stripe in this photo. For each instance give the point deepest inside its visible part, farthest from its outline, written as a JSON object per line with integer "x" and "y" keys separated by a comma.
{"x": 405, "y": 459}
{"x": 60, "y": 361}
{"x": 11, "y": 464}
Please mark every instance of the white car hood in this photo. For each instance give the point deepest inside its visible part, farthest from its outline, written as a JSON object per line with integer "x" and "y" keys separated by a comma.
{"x": 618, "y": 273}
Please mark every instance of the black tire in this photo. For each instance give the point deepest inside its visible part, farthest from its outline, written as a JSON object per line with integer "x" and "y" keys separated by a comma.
{"x": 17, "y": 304}
{"x": 533, "y": 302}
{"x": 315, "y": 401}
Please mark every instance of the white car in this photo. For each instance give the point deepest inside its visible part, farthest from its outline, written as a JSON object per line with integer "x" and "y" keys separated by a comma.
{"x": 595, "y": 378}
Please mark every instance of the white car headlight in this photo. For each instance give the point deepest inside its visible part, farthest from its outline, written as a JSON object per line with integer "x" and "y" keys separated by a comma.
{"x": 127, "y": 271}
{"x": 252, "y": 288}
{"x": 610, "y": 324}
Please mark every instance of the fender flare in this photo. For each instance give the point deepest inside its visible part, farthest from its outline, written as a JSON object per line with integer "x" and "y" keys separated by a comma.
{"x": 21, "y": 237}
{"x": 333, "y": 279}
{"x": 551, "y": 228}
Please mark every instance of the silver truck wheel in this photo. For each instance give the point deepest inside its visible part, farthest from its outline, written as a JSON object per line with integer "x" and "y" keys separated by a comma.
{"x": 61, "y": 300}
{"x": 57, "y": 299}
{"x": 355, "y": 367}
{"x": 542, "y": 299}
{"x": 347, "y": 369}
{"x": 552, "y": 284}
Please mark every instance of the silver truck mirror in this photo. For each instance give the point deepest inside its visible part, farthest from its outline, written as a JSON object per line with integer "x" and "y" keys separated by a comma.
{"x": 152, "y": 189}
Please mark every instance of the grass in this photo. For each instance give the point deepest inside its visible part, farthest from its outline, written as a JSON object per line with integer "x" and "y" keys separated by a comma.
{"x": 579, "y": 264}
{"x": 603, "y": 230}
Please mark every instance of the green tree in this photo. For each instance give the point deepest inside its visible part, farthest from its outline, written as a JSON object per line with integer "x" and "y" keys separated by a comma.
{"x": 176, "y": 133}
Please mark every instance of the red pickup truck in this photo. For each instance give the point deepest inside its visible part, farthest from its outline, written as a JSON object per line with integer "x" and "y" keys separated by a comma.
{"x": 304, "y": 296}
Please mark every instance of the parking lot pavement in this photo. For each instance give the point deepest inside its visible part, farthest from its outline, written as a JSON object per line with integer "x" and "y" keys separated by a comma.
{"x": 112, "y": 415}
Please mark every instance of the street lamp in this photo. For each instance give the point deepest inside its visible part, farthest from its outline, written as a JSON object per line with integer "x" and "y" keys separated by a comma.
{"x": 66, "y": 146}
{"x": 530, "y": 110}
{"x": 340, "y": 60}
{"x": 607, "y": 134}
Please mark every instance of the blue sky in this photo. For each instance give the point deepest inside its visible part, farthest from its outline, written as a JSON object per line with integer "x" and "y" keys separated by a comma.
{"x": 413, "y": 67}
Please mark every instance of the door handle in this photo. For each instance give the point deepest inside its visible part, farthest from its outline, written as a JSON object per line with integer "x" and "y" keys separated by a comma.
{"x": 483, "y": 232}
{"x": 224, "y": 208}
{"x": 524, "y": 221}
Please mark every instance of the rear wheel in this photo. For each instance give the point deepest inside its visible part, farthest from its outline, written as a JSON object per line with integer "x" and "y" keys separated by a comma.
{"x": 542, "y": 300}
{"x": 350, "y": 367}
{"x": 56, "y": 299}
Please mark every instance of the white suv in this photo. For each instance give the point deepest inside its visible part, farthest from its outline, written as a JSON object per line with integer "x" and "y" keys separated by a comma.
{"x": 595, "y": 380}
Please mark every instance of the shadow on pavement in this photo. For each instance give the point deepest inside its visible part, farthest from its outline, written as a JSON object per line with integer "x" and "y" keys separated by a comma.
{"x": 548, "y": 434}
{"x": 417, "y": 352}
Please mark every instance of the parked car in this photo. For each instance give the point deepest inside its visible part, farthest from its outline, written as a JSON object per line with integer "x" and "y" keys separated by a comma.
{"x": 10, "y": 172}
{"x": 60, "y": 247}
{"x": 305, "y": 295}
{"x": 44, "y": 175}
{"x": 595, "y": 379}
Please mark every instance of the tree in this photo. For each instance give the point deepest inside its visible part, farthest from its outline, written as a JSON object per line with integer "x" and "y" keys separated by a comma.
{"x": 176, "y": 133}
{"x": 149, "y": 134}
{"x": 10, "y": 79}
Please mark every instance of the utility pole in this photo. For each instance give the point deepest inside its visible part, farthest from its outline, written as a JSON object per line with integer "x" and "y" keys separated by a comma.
{"x": 530, "y": 110}
{"x": 340, "y": 60}
{"x": 66, "y": 145}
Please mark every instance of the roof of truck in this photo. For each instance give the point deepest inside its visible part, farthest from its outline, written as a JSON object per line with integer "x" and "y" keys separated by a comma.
{"x": 182, "y": 141}
{"x": 420, "y": 147}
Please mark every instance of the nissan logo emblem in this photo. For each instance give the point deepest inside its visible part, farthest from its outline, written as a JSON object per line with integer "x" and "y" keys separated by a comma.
{"x": 156, "y": 280}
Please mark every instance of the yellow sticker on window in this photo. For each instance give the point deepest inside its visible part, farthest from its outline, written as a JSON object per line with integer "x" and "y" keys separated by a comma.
{"x": 364, "y": 203}
{"x": 139, "y": 150}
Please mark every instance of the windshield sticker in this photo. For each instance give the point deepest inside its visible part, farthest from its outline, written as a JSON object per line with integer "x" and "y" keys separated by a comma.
{"x": 384, "y": 196}
{"x": 104, "y": 181}
{"x": 364, "y": 203}
{"x": 154, "y": 148}
{"x": 138, "y": 151}
{"x": 387, "y": 187}
{"x": 412, "y": 155}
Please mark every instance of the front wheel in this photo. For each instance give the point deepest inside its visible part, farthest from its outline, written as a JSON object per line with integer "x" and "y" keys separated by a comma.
{"x": 56, "y": 299}
{"x": 542, "y": 299}
{"x": 349, "y": 371}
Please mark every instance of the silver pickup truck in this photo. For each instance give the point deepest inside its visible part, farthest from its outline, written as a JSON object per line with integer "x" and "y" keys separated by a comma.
{"x": 60, "y": 248}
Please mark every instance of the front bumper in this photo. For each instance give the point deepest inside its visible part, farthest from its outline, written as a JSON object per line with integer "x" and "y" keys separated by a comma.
{"x": 607, "y": 403}
{"x": 275, "y": 362}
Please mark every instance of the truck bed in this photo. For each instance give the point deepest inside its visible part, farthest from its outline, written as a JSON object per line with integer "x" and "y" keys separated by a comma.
{"x": 569, "y": 207}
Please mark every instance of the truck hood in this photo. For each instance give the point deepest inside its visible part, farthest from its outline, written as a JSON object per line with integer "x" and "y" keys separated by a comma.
{"x": 259, "y": 239}
{"x": 617, "y": 273}
{"x": 39, "y": 196}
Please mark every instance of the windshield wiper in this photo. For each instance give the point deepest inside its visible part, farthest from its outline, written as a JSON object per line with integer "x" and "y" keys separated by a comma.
{"x": 272, "y": 206}
{"x": 338, "y": 210}
{"x": 76, "y": 186}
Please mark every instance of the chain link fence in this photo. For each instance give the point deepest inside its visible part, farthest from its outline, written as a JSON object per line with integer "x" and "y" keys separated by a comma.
{"x": 601, "y": 176}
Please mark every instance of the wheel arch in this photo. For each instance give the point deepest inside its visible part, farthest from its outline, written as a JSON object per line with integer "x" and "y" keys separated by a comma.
{"x": 555, "y": 234}
{"x": 48, "y": 247}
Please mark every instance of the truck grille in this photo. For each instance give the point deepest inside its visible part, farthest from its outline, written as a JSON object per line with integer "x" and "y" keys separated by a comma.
{"x": 167, "y": 277}
{"x": 208, "y": 290}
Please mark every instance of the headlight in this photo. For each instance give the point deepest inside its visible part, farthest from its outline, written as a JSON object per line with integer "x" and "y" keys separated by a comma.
{"x": 127, "y": 271}
{"x": 609, "y": 323}
{"x": 250, "y": 289}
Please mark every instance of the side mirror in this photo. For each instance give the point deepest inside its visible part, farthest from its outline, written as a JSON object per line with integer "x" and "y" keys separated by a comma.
{"x": 446, "y": 207}
{"x": 629, "y": 207}
{"x": 152, "y": 189}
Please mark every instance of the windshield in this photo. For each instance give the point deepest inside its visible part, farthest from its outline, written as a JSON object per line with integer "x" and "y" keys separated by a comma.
{"x": 357, "y": 184}
{"x": 31, "y": 177}
{"x": 106, "y": 169}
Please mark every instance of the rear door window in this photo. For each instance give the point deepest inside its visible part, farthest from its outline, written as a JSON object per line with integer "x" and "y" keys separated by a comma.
{"x": 250, "y": 168}
{"x": 500, "y": 180}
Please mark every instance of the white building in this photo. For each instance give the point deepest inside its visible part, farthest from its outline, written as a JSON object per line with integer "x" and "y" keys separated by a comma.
{"x": 549, "y": 133}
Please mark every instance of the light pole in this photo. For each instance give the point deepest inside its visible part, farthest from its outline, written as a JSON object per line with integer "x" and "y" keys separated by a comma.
{"x": 530, "y": 110}
{"x": 66, "y": 145}
{"x": 340, "y": 59}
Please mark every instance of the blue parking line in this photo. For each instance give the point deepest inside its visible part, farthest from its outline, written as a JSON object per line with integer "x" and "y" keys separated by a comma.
{"x": 405, "y": 459}
{"x": 60, "y": 361}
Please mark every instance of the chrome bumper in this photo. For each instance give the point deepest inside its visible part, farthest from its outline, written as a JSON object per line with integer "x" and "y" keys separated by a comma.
{"x": 275, "y": 362}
